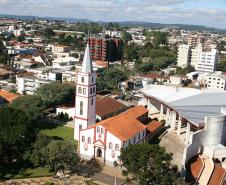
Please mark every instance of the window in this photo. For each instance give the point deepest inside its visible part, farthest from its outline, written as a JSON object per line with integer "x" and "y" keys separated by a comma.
{"x": 102, "y": 130}
{"x": 91, "y": 90}
{"x": 81, "y": 107}
{"x": 134, "y": 140}
{"x": 82, "y": 79}
{"x": 80, "y": 90}
{"x": 138, "y": 137}
{"x": 98, "y": 130}
{"x": 92, "y": 79}
{"x": 110, "y": 145}
{"x": 94, "y": 90}
{"x": 89, "y": 140}
{"x": 117, "y": 147}
{"x": 83, "y": 139}
{"x": 84, "y": 90}
{"x": 143, "y": 133}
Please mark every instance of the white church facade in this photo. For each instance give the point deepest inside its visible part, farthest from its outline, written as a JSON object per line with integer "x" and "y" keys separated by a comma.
{"x": 105, "y": 139}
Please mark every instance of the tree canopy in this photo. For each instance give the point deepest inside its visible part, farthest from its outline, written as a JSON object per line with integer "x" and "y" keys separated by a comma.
{"x": 16, "y": 134}
{"x": 3, "y": 54}
{"x": 33, "y": 105}
{"x": 126, "y": 37}
{"x": 110, "y": 78}
{"x": 150, "y": 164}
{"x": 54, "y": 94}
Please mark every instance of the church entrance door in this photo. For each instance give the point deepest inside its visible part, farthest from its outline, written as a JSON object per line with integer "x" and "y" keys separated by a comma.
{"x": 99, "y": 153}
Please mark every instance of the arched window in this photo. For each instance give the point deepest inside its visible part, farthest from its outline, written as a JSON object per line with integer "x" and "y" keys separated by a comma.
{"x": 84, "y": 90}
{"x": 89, "y": 140}
{"x": 110, "y": 145}
{"x": 134, "y": 140}
{"x": 98, "y": 130}
{"x": 116, "y": 147}
{"x": 80, "y": 90}
{"x": 83, "y": 139}
{"x": 81, "y": 107}
{"x": 144, "y": 133}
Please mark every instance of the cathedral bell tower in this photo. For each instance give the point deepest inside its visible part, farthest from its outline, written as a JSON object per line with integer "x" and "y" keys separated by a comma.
{"x": 85, "y": 100}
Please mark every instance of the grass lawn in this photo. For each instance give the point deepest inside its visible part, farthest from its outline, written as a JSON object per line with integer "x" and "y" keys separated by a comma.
{"x": 17, "y": 171}
{"x": 64, "y": 132}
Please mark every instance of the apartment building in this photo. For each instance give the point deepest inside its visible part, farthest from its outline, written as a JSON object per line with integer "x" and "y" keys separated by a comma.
{"x": 202, "y": 60}
{"x": 105, "y": 49}
{"x": 27, "y": 84}
{"x": 217, "y": 81}
{"x": 207, "y": 61}
{"x": 195, "y": 40}
{"x": 183, "y": 57}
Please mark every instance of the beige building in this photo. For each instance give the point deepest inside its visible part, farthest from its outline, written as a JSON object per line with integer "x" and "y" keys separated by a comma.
{"x": 183, "y": 57}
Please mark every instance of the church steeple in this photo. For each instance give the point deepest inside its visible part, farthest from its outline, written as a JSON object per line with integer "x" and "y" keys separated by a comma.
{"x": 87, "y": 63}
{"x": 85, "y": 101}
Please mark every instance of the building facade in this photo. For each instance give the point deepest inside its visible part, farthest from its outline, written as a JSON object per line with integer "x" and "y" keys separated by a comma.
{"x": 105, "y": 49}
{"x": 183, "y": 57}
{"x": 217, "y": 81}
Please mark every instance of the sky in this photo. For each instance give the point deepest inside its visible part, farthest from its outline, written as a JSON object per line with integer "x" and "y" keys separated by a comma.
{"x": 199, "y": 12}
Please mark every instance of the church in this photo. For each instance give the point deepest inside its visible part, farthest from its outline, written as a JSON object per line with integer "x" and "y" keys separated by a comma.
{"x": 103, "y": 140}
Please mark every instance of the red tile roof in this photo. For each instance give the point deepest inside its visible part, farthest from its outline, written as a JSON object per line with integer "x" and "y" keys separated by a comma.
{"x": 106, "y": 106}
{"x": 8, "y": 96}
{"x": 195, "y": 166}
{"x": 154, "y": 126}
{"x": 125, "y": 125}
{"x": 218, "y": 175}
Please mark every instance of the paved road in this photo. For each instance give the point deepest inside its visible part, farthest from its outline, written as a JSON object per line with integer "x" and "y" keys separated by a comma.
{"x": 110, "y": 180}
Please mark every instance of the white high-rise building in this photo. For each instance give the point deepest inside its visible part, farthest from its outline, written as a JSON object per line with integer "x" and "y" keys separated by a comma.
{"x": 183, "y": 57}
{"x": 85, "y": 102}
{"x": 203, "y": 61}
{"x": 195, "y": 55}
{"x": 207, "y": 61}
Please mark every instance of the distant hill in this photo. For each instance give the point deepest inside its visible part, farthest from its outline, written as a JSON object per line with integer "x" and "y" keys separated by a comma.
{"x": 125, "y": 23}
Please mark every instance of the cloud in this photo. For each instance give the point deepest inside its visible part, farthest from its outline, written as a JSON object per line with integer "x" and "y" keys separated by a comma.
{"x": 165, "y": 11}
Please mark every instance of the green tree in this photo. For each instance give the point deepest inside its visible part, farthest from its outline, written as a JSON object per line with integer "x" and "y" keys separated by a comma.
{"x": 16, "y": 134}
{"x": 222, "y": 65}
{"x": 48, "y": 33}
{"x": 61, "y": 155}
{"x": 3, "y": 54}
{"x": 184, "y": 71}
{"x": 20, "y": 38}
{"x": 145, "y": 67}
{"x": 126, "y": 37}
{"x": 131, "y": 52}
{"x": 54, "y": 94}
{"x": 37, "y": 155}
{"x": 150, "y": 164}
{"x": 159, "y": 38}
{"x": 110, "y": 79}
{"x": 33, "y": 105}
